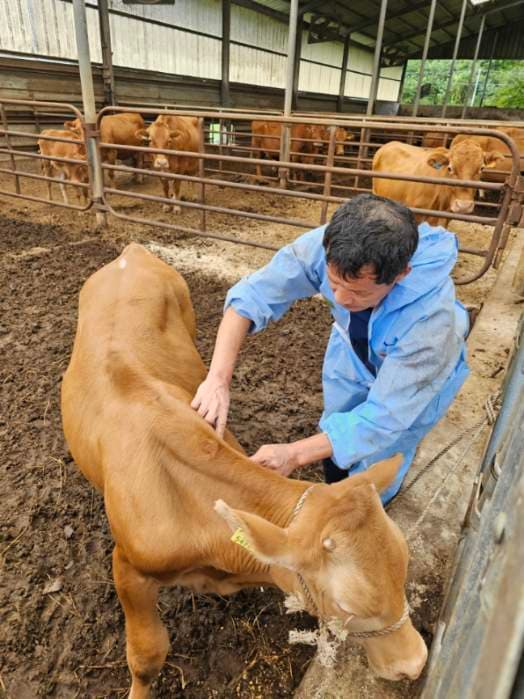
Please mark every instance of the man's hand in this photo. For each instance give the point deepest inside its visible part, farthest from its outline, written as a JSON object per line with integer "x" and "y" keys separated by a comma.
{"x": 211, "y": 401}
{"x": 277, "y": 457}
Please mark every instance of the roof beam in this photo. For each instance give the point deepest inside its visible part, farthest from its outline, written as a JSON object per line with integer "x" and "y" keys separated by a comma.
{"x": 436, "y": 28}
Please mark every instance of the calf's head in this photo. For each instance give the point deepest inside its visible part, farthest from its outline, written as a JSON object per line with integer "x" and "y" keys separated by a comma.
{"x": 343, "y": 554}
{"x": 76, "y": 127}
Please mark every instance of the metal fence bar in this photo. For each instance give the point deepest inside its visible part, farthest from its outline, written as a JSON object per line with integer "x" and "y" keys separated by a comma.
{"x": 9, "y": 147}
{"x": 328, "y": 175}
{"x": 331, "y": 168}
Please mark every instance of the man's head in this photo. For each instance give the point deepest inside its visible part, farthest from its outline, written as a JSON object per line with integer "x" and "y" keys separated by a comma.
{"x": 369, "y": 243}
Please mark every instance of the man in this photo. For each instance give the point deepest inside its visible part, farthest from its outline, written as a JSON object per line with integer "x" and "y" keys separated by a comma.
{"x": 396, "y": 356}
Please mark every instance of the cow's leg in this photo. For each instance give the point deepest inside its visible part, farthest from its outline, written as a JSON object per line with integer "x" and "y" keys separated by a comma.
{"x": 147, "y": 638}
{"x": 166, "y": 186}
{"x": 139, "y": 162}
{"x": 62, "y": 187}
{"x": 47, "y": 171}
{"x": 176, "y": 196}
{"x": 110, "y": 157}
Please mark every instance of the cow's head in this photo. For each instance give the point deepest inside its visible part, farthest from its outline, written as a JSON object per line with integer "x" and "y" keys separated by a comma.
{"x": 463, "y": 161}
{"x": 160, "y": 134}
{"x": 341, "y": 136}
{"x": 76, "y": 127}
{"x": 353, "y": 560}
{"x": 317, "y": 134}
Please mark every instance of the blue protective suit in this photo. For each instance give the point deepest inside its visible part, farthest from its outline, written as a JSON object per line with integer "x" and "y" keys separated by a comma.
{"x": 416, "y": 342}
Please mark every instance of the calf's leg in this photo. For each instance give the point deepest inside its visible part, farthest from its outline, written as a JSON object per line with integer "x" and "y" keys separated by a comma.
{"x": 147, "y": 638}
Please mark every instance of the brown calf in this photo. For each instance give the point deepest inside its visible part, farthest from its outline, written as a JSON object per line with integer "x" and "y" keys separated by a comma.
{"x": 166, "y": 478}
{"x": 75, "y": 172}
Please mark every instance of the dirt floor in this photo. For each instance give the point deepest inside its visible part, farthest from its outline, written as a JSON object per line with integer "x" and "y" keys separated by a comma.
{"x": 62, "y": 628}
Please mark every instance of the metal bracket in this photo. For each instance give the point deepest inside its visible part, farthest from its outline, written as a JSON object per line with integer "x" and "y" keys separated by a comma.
{"x": 91, "y": 131}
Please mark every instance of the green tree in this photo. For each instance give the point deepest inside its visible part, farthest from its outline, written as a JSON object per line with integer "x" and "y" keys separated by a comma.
{"x": 504, "y": 87}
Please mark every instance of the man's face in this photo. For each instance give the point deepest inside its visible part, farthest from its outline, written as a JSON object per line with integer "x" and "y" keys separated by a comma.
{"x": 358, "y": 293}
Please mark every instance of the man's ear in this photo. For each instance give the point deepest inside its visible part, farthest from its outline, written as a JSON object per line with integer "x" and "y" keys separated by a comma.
{"x": 403, "y": 274}
{"x": 438, "y": 158}
{"x": 264, "y": 540}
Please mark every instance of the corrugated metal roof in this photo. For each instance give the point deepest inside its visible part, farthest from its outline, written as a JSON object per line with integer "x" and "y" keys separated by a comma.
{"x": 406, "y": 23}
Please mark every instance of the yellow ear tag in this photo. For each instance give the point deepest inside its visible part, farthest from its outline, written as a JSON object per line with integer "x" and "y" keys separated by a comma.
{"x": 240, "y": 538}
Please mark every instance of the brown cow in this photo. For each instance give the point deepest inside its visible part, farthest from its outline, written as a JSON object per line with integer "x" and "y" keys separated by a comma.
{"x": 435, "y": 139}
{"x": 120, "y": 129}
{"x": 493, "y": 146}
{"x": 75, "y": 172}
{"x": 166, "y": 477}
{"x": 265, "y": 143}
{"x": 464, "y": 161}
{"x": 173, "y": 133}
{"x": 341, "y": 136}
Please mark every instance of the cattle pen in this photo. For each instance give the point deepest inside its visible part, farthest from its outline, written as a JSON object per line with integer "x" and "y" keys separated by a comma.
{"x": 337, "y": 69}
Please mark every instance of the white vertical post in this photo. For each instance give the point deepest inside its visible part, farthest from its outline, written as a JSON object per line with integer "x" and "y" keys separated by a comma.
{"x": 88, "y": 100}
{"x": 376, "y": 59}
{"x": 288, "y": 95}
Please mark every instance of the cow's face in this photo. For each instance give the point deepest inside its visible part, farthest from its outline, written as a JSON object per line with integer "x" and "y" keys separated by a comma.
{"x": 353, "y": 560}
{"x": 341, "y": 136}
{"x": 317, "y": 134}
{"x": 464, "y": 161}
{"x": 160, "y": 135}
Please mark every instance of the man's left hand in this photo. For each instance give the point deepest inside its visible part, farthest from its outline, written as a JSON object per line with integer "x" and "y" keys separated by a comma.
{"x": 277, "y": 457}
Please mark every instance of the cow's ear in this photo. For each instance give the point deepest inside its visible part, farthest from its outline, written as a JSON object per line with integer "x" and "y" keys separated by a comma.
{"x": 264, "y": 540}
{"x": 175, "y": 135}
{"x": 142, "y": 135}
{"x": 493, "y": 158}
{"x": 438, "y": 158}
{"x": 70, "y": 125}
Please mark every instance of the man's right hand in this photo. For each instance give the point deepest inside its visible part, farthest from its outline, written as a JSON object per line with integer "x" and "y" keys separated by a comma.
{"x": 211, "y": 402}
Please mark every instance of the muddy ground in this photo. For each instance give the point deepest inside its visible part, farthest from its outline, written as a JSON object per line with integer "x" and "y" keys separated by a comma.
{"x": 61, "y": 624}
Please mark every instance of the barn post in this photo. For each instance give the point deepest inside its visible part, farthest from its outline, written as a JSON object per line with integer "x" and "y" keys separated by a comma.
{"x": 469, "y": 94}
{"x": 107, "y": 53}
{"x": 375, "y": 78}
{"x": 225, "y": 97}
{"x": 296, "y": 62}
{"x": 424, "y": 56}
{"x": 88, "y": 99}
{"x": 288, "y": 94}
{"x": 343, "y": 74}
{"x": 484, "y": 86}
{"x": 454, "y": 58}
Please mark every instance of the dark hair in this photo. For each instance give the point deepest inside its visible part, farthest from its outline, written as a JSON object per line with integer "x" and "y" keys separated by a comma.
{"x": 371, "y": 230}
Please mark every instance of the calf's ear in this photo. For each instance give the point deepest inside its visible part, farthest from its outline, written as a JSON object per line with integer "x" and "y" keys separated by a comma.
{"x": 381, "y": 474}
{"x": 438, "y": 158}
{"x": 264, "y": 540}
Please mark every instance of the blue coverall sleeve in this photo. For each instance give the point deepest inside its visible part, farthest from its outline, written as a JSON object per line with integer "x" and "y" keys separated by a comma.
{"x": 413, "y": 373}
{"x": 292, "y": 274}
